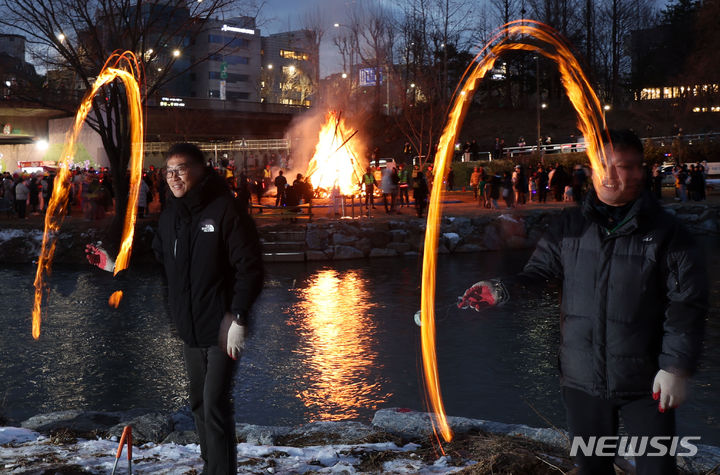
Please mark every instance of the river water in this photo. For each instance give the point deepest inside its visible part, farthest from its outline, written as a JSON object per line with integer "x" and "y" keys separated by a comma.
{"x": 329, "y": 342}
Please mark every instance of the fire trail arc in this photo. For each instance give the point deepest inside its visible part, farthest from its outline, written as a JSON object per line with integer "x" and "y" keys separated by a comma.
{"x": 125, "y": 68}
{"x": 520, "y": 35}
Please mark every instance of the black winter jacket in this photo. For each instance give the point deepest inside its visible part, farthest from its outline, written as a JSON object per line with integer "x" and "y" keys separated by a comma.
{"x": 212, "y": 258}
{"x": 634, "y": 296}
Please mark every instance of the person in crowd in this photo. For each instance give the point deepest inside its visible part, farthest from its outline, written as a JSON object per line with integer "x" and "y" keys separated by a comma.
{"x": 542, "y": 184}
{"x": 558, "y": 182}
{"x": 696, "y": 183}
{"x": 259, "y": 189}
{"x": 430, "y": 177}
{"x": 45, "y": 191}
{"x": 578, "y": 183}
{"x": 242, "y": 192}
{"x": 369, "y": 183}
{"x": 682, "y": 180}
{"x": 309, "y": 193}
{"x": 634, "y": 293}
{"x": 482, "y": 195}
{"x": 450, "y": 179}
{"x": 22, "y": 192}
{"x": 404, "y": 185}
{"x": 474, "y": 150}
{"x": 493, "y": 190}
{"x": 507, "y": 190}
{"x": 143, "y": 199}
{"x": 519, "y": 184}
{"x": 266, "y": 175}
{"x": 280, "y": 184}
{"x": 657, "y": 179}
{"x": 497, "y": 149}
{"x": 34, "y": 190}
{"x": 475, "y": 182}
{"x": 212, "y": 258}
{"x": 388, "y": 186}
{"x": 420, "y": 193}
{"x": 532, "y": 188}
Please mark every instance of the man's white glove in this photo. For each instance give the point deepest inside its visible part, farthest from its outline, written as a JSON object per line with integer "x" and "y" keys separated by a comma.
{"x": 99, "y": 257}
{"x": 482, "y": 294}
{"x": 669, "y": 389}
{"x": 232, "y": 336}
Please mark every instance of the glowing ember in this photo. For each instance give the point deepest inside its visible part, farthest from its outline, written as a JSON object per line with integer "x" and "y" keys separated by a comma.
{"x": 59, "y": 201}
{"x": 590, "y": 122}
{"x": 337, "y": 157}
{"x": 115, "y": 298}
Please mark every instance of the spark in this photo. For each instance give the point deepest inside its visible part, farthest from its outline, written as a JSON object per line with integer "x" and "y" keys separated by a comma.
{"x": 591, "y": 123}
{"x": 57, "y": 207}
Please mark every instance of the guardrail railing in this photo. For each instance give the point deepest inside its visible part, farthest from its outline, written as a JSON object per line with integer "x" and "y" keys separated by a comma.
{"x": 570, "y": 147}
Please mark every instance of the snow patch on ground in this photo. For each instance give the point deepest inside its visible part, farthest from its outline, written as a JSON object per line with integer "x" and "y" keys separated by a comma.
{"x": 8, "y": 234}
{"x": 17, "y": 435}
{"x": 24, "y": 449}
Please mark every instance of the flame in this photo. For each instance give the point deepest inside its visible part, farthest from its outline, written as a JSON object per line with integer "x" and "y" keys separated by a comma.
{"x": 115, "y": 298}
{"x": 59, "y": 201}
{"x": 336, "y": 158}
{"x": 590, "y": 122}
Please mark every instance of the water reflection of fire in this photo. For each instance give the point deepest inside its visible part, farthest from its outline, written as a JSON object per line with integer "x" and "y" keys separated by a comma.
{"x": 337, "y": 157}
{"x": 333, "y": 318}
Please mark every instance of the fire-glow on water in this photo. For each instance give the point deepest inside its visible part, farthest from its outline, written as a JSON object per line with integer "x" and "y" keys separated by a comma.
{"x": 59, "y": 201}
{"x": 336, "y": 158}
{"x": 590, "y": 122}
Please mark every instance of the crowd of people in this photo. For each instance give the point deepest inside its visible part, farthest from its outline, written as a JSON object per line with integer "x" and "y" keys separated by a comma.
{"x": 91, "y": 192}
{"x": 526, "y": 185}
{"x": 689, "y": 182}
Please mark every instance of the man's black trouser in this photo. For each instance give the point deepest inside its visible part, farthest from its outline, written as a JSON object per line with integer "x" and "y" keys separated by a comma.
{"x": 589, "y": 416}
{"x": 211, "y": 372}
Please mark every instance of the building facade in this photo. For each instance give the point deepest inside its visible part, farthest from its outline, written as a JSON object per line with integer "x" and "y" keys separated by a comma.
{"x": 290, "y": 68}
{"x": 232, "y": 69}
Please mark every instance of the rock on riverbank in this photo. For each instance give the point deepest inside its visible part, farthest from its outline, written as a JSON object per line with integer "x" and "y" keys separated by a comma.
{"x": 332, "y": 239}
{"x": 397, "y": 441}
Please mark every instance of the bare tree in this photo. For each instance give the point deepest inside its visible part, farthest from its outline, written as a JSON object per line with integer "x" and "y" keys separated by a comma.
{"x": 73, "y": 38}
{"x": 314, "y": 23}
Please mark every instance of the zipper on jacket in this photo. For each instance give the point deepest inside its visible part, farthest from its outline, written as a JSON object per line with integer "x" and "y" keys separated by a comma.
{"x": 175, "y": 248}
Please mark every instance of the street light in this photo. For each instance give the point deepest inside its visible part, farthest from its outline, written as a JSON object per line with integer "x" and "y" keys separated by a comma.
{"x": 61, "y": 37}
{"x": 543, "y": 106}
{"x": 336, "y": 25}
{"x": 344, "y": 75}
{"x": 291, "y": 69}
{"x": 269, "y": 66}
{"x": 606, "y": 108}
{"x": 176, "y": 53}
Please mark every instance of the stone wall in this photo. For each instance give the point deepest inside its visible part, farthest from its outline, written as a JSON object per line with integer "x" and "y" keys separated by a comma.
{"x": 353, "y": 239}
{"x": 360, "y": 239}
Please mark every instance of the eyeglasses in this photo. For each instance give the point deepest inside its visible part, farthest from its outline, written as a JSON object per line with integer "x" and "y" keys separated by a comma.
{"x": 180, "y": 170}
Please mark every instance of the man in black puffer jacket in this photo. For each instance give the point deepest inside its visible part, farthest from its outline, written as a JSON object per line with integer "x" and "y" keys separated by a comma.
{"x": 211, "y": 253}
{"x": 213, "y": 262}
{"x": 634, "y": 300}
